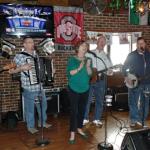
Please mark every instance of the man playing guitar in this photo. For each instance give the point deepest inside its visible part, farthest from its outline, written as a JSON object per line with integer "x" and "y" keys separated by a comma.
{"x": 97, "y": 87}
{"x": 136, "y": 66}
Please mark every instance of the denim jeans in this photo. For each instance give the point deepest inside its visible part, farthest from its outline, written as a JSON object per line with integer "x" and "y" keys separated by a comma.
{"x": 29, "y": 104}
{"x": 138, "y": 103}
{"x": 98, "y": 89}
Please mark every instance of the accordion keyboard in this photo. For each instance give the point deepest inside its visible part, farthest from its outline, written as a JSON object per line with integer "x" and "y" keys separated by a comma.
{"x": 33, "y": 77}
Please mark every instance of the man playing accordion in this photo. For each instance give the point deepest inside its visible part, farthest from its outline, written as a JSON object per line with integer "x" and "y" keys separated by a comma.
{"x": 32, "y": 89}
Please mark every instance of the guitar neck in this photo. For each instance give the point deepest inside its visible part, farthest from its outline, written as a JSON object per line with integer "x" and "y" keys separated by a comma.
{"x": 101, "y": 71}
{"x": 1, "y": 70}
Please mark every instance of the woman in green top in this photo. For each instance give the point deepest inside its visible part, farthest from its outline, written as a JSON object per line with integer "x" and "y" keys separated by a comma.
{"x": 78, "y": 73}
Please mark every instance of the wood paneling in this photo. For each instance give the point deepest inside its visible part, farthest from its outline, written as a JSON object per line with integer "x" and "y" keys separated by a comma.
{"x": 58, "y": 134}
{"x": 53, "y": 2}
{"x": 47, "y": 2}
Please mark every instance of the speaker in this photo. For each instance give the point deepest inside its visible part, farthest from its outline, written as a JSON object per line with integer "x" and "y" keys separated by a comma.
{"x": 11, "y": 119}
{"x": 52, "y": 103}
{"x": 121, "y": 101}
{"x": 136, "y": 140}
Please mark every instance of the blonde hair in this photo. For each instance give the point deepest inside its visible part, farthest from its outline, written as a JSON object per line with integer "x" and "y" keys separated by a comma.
{"x": 77, "y": 46}
{"x": 101, "y": 36}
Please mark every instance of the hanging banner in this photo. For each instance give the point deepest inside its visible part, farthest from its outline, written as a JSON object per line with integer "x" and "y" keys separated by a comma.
{"x": 123, "y": 38}
{"x": 68, "y": 27}
{"x": 92, "y": 37}
{"x": 135, "y": 35}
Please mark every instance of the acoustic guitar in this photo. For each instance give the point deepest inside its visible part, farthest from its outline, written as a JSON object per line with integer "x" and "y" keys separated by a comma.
{"x": 7, "y": 67}
{"x": 95, "y": 74}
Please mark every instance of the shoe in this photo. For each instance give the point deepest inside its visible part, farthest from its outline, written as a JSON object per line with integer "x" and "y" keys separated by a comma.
{"x": 145, "y": 126}
{"x": 138, "y": 125}
{"x": 85, "y": 121}
{"x": 83, "y": 135}
{"x": 71, "y": 141}
{"x": 98, "y": 123}
{"x": 46, "y": 125}
{"x": 32, "y": 130}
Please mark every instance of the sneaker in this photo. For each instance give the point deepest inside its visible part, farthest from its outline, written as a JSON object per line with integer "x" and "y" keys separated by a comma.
{"x": 85, "y": 121}
{"x": 98, "y": 123}
{"x": 145, "y": 126}
{"x": 46, "y": 125}
{"x": 32, "y": 130}
{"x": 138, "y": 125}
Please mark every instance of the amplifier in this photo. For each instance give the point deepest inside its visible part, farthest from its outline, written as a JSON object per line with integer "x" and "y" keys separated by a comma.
{"x": 121, "y": 101}
{"x": 53, "y": 102}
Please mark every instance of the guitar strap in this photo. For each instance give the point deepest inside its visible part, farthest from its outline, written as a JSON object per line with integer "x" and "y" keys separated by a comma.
{"x": 102, "y": 76}
{"x": 26, "y": 54}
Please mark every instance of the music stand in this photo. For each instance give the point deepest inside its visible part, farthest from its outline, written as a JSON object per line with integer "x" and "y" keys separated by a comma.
{"x": 42, "y": 141}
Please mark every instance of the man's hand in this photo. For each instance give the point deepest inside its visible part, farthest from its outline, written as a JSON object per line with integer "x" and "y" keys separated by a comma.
{"x": 24, "y": 67}
{"x": 110, "y": 72}
{"x": 128, "y": 81}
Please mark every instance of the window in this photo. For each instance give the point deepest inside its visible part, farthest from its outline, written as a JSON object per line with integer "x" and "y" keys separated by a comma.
{"x": 118, "y": 52}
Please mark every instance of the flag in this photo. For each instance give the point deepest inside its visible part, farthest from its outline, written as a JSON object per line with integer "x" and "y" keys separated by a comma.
{"x": 136, "y": 18}
{"x": 68, "y": 27}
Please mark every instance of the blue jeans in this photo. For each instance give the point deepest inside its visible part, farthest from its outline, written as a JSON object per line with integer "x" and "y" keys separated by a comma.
{"x": 138, "y": 103}
{"x": 29, "y": 106}
{"x": 98, "y": 89}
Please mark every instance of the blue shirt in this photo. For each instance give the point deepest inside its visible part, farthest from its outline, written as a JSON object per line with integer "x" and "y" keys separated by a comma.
{"x": 139, "y": 65}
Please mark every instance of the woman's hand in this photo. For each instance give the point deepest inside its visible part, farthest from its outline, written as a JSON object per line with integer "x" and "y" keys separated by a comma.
{"x": 88, "y": 66}
{"x": 81, "y": 65}
{"x": 73, "y": 72}
{"x": 88, "y": 63}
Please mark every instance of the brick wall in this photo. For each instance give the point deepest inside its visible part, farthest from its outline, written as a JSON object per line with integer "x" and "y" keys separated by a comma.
{"x": 9, "y": 90}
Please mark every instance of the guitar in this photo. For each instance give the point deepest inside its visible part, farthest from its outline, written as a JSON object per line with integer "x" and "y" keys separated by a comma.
{"x": 132, "y": 81}
{"x": 95, "y": 75}
{"x": 7, "y": 67}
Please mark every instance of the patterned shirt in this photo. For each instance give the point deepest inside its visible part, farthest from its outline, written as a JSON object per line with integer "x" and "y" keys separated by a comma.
{"x": 20, "y": 59}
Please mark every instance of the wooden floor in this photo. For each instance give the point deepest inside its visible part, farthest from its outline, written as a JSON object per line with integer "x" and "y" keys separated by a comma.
{"x": 58, "y": 134}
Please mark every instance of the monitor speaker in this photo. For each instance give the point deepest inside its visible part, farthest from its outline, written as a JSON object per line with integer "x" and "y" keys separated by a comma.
{"x": 136, "y": 140}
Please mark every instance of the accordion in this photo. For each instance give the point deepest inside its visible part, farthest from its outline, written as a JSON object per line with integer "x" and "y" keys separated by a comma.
{"x": 41, "y": 71}
{"x": 33, "y": 73}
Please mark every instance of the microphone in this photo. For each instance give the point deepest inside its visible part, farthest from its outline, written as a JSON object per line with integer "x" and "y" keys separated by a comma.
{"x": 90, "y": 52}
{"x": 141, "y": 50}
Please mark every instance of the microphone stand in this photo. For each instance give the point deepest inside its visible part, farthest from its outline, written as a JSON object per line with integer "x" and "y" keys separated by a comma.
{"x": 104, "y": 145}
{"x": 42, "y": 141}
